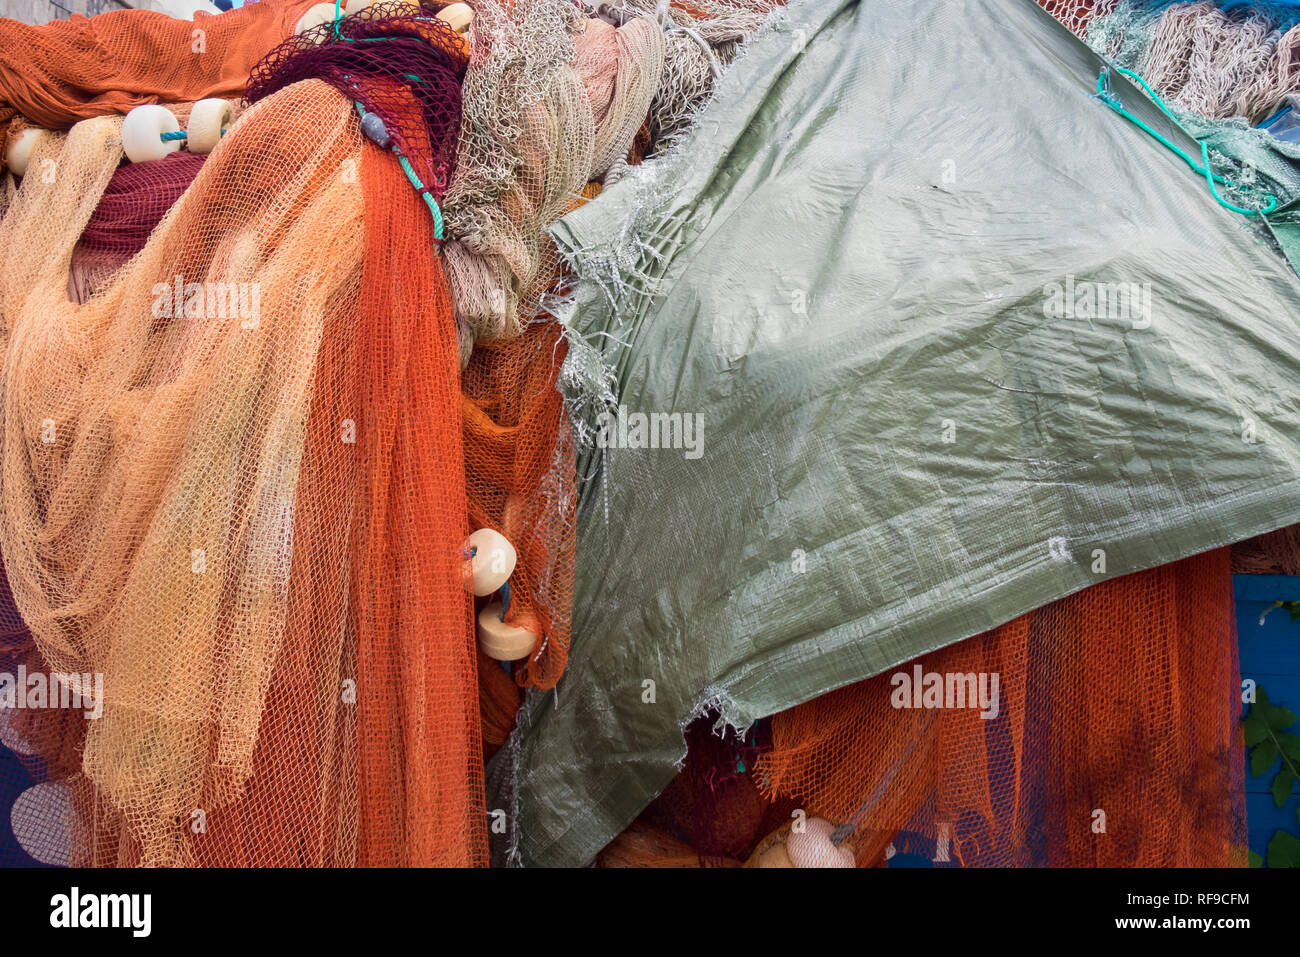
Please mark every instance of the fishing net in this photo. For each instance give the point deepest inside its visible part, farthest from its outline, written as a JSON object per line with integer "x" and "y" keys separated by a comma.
{"x": 1112, "y": 739}
{"x": 68, "y": 70}
{"x": 644, "y": 845}
{"x": 133, "y": 203}
{"x": 1276, "y": 553}
{"x": 1213, "y": 62}
{"x": 713, "y": 805}
{"x": 413, "y": 87}
{"x": 553, "y": 100}
{"x": 246, "y": 514}
{"x": 521, "y": 481}
{"x": 1076, "y": 14}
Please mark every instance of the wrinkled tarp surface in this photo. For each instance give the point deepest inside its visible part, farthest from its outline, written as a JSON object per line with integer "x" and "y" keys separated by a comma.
{"x": 848, "y": 273}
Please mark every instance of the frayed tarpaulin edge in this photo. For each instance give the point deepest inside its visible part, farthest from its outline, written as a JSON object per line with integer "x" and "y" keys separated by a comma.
{"x": 627, "y": 268}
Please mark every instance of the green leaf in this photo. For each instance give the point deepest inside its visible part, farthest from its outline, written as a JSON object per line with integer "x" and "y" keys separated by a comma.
{"x": 1284, "y": 850}
{"x": 1282, "y": 786}
{"x": 1256, "y": 729}
{"x": 1290, "y": 745}
{"x": 1255, "y": 859}
{"x": 1262, "y": 707}
{"x": 1281, "y": 718}
{"x": 1262, "y": 757}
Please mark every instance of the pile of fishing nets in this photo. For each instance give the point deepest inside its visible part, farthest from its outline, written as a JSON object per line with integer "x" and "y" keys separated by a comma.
{"x": 910, "y": 460}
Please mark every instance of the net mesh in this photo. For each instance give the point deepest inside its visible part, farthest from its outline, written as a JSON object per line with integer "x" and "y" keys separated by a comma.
{"x": 1117, "y": 741}
{"x": 412, "y": 84}
{"x": 1215, "y": 63}
{"x": 521, "y": 481}
{"x": 69, "y": 70}
{"x": 1076, "y": 14}
{"x": 553, "y": 100}
{"x": 247, "y": 516}
{"x": 134, "y": 202}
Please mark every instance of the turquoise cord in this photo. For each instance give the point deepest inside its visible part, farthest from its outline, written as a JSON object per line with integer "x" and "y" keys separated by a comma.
{"x": 1210, "y": 176}
{"x": 415, "y": 181}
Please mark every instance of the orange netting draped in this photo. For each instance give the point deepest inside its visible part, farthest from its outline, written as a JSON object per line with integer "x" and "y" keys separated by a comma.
{"x": 247, "y": 515}
{"x": 69, "y": 70}
{"x": 1117, "y": 741}
{"x": 519, "y": 469}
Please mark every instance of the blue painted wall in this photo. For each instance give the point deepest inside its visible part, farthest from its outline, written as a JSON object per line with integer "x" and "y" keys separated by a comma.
{"x": 1270, "y": 653}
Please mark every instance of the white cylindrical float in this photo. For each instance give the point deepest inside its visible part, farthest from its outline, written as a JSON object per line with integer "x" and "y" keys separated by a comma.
{"x": 208, "y": 120}
{"x": 458, "y": 16}
{"x": 20, "y": 153}
{"x": 491, "y": 563}
{"x": 142, "y": 133}
{"x": 813, "y": 847}
{"x": 500, "y": 641}
{"x": 314, "y": 16}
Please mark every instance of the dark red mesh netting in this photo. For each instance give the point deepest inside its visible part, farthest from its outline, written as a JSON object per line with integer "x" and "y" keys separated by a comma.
{"x": 405, "y": 69}
{"x": 134, "y": 202}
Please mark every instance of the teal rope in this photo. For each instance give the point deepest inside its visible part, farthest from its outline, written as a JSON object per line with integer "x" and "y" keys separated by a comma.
{"x": 1211, "y": 177}
{"x": 415, "y": 181}
{"x": 424, "y": 192}
{"x": 180, "y": 135}
{"x": 406, "y": 164}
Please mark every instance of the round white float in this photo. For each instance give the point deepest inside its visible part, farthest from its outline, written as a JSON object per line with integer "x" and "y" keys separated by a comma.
{"x": 813, "y": 847}
{"x": 208, "y": 120}
{"x": 20, "y": 154}
{"x": 502, "y": 642}
{"x": 314, "y": 16}
{"x": 142, "y": 133}
{"x": 458, "y": 16}
{"x": 774, "y": 856}
{"x": 492, "y": 563}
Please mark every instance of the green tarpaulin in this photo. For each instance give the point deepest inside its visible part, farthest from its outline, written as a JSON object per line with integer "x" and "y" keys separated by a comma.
{"x": 960, "y": 340}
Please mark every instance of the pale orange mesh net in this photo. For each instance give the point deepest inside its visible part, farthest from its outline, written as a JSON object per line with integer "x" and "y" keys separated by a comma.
{"x": 262, "y": 704}
{"x": 1115, "y": 743}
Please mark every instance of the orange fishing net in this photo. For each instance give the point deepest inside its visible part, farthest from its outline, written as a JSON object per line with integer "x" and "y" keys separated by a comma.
{"x": 69, "y": 70}
{"x": 234, "y": 487}
{"x": 519, "y": 470}
{"x": 1116, "y": 740}
{"x": 1077, "y": 14}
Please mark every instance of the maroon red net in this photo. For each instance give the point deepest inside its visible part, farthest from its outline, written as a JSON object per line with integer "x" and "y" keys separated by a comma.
{"x": 405, "y": 69}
